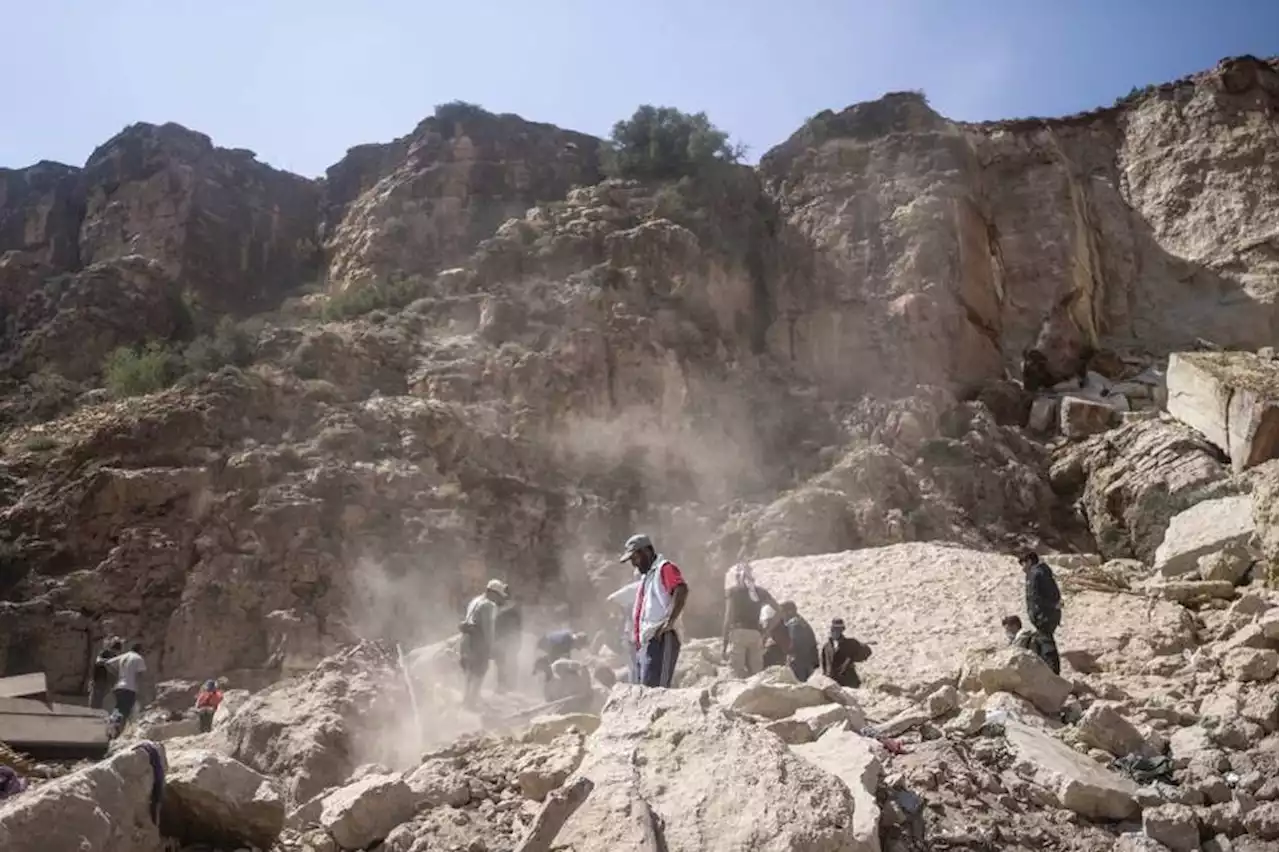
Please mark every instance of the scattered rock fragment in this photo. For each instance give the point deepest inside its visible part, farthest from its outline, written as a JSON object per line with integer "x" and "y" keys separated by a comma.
{"x": 1173, "y": 825}
{"x": 1102, "y": 727}
{"x": 1079, "y": 417}
{"x": 1195, "y": 591}
{"x": 1262, "y": 822}
{"x": 1250, "y": 664}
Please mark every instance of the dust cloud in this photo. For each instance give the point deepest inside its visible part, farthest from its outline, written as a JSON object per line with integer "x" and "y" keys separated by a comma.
{"x": 675, "y": 472}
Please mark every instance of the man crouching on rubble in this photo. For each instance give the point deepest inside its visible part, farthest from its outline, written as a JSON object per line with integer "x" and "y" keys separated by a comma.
{"x": 660, "y": 598}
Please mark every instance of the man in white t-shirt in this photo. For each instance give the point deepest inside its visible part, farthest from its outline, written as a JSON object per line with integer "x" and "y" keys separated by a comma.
{"x": 129, "y": 668}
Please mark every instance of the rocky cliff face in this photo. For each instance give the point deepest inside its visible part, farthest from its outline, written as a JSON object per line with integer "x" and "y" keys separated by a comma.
{"x": 235, "y": 233}
{"x": 942, "y": 250}
{"x": 423, "y": 202}
{"x": 806, "y": 358}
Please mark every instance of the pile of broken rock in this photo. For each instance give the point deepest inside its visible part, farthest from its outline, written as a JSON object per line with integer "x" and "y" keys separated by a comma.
{"x": 999, "y": 754}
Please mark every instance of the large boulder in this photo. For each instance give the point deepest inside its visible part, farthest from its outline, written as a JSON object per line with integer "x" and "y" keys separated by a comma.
{"x": 1204, "y": 528}
{"x": 853, "y": 759}
{"x": 1103, "y": 727}
{"x": 1019, "y": 672}
{"x": 773, "y": 693}
{"x": 1230, "y": 398}
{"x": 1074, "y": 781}
{"x": 677, "y": 771}
{"x": 361, "y": 814}
{"x": 210, "y": 798}
{"x": 889, "y": 596}
{"x": 1132, "y": 480}
{"x": 105, "y": 807}
{"x": 312, "y": 731}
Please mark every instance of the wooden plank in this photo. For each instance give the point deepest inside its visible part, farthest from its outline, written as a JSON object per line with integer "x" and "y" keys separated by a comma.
{"x": 19, "y": 686}
{"x": 29, "y": 707}
{"x": 24, "y": 731}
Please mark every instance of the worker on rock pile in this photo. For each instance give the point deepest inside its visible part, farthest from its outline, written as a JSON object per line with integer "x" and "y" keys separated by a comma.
{"x": 839, "y": 655}
{"x": 660, "y": 598}
{"x": 803, "y": 654}
{"x": 1044, "y": 606}
{"x": 741, "y": 639}
{"x": 103, "y": 678}
{"x": 207, "y": 701}
{"x": 777, "y": 641}
{"x": 507, "y": 626}
{"x": 478, "y": 630}
{"x": 1030, "y": 639}
{"x": 557, "y": 645}
{"x": 564, "y": 678}
{"x": 129, "y": 668}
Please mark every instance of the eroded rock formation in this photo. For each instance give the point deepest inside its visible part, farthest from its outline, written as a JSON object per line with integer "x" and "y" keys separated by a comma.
{"x": 811, "y": 357}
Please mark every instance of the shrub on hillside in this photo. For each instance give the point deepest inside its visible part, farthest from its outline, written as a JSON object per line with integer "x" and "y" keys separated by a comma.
{"x": 663, "y": 143}
{"x": 230, "y": 345}
{"x": 452, "y": 114}
{"x": 356, "y": 301}
{"x": 133, "y": 371}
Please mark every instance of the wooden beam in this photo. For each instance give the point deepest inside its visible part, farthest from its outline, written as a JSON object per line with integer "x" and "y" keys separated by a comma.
{"x": 20, "y": 686}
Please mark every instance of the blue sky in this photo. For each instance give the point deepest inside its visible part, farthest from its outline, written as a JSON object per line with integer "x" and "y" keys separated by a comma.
{"x": 300, "y": 81}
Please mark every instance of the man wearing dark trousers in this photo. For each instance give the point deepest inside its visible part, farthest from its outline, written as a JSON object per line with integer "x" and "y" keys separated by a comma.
{"x": 1044, "y": 605}
{"x": 660, "y": 598}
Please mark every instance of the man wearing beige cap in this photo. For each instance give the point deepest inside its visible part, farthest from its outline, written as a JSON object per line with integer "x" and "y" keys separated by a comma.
{"x": 478, "y": 628}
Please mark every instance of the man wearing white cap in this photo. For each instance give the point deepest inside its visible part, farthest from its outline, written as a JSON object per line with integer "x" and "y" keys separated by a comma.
{"x": 659, "y": 600}
{"x": 478, "y": 627}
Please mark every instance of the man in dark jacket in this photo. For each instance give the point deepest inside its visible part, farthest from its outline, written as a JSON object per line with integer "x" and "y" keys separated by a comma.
{"x": 803, "y": 657}
{"x": 840, "y": 653}
{"x": 1044, "y": 605}
{"x": 103, "y": 678}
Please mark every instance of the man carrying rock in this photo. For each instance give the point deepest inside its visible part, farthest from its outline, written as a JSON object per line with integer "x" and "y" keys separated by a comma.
{"x": 741, "y": 641}
{"x": 1044, "y": 605}
{"x": 478, "y": 629}
{"x": 803, "y": 656}
{"x": 840, "y": 653}
{"x": 660, "y": 598}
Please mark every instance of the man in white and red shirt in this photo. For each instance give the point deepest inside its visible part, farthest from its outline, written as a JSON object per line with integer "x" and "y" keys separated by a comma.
{"x": 660, "y": 598}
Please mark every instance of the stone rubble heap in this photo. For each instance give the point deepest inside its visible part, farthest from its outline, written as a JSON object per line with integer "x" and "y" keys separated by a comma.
{"x": 978, "y": 747}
